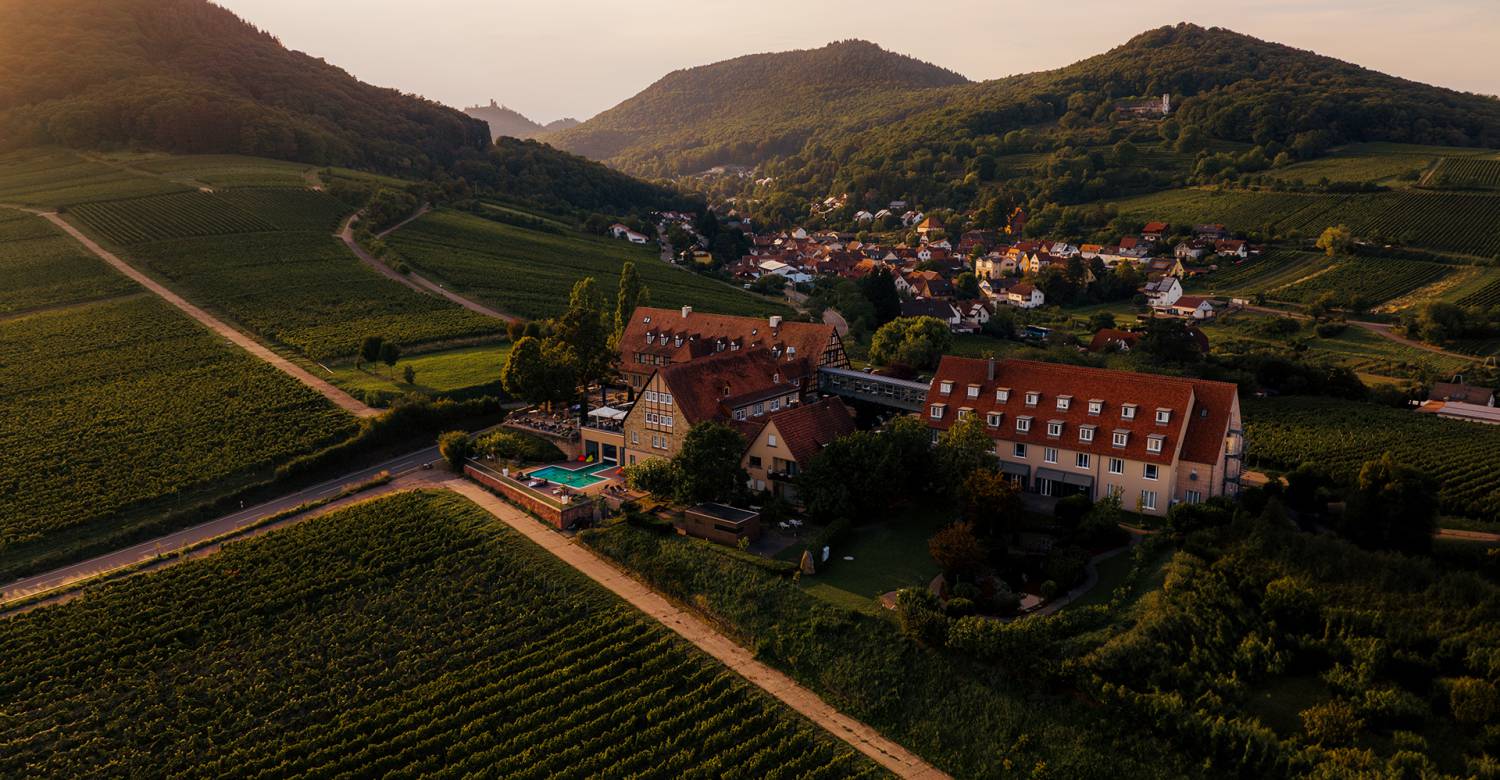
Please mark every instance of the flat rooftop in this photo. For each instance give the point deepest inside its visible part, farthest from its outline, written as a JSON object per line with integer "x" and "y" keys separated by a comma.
{"x": 725, "y": 513}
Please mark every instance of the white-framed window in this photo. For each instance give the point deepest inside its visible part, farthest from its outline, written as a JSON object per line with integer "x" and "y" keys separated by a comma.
{"x": 1054, "y": 428}
{"x": 771, "y": 440}
{"x": 650, "y": 395}
{"x": 1163, "y": 416}
{"x": 945, "y": 387}
{"x": 1019, "y": 450}
{"x": 1116, "y": 466}
{"x": 1049, "y": 454}
{"x": 1063, "y": 402}
{"x": 1127, "y": 411}
{"x": 758, "y": 409}
{"x": 1096, "y": 406}
{"x": 1023, "y": 425}
{"x": 1148, "y": 499}
{"x": 650, "y": 418}
{"x": 1153, "y": 443}
{"x": 739, "y": 414}
{"x": 666, "y": 420}
{"x": 775, "y": 404}
{"x": 973, "y": 391}
{"x": 1002, "y": 394}
{"x": 1122, "y": 438}
{"x": 665, "y": 398}
{"x": 1151, "y": 471}
{"x": 635, "y": 437}
{"x": 937, "y": 411}
{"x": 1086, "y": 433}
{"x": 965, "y": 413}
{"x": 1081, "y": 460}
{"x": 1033, "y": 398}
{"x": 993, "y": 419}
{"x": 1193, "y": 496}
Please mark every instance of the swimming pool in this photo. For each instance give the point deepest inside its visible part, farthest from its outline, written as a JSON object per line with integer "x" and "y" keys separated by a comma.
{"x": 575, "y": 478}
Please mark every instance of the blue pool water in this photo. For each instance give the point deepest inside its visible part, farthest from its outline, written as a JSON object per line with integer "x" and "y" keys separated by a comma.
{"x": 576, "y": 478}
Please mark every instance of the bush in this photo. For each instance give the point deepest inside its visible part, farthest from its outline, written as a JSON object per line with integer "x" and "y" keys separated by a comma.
{"x": 1070, "y": 511}
{"x": 959, "y": 607}
{"x": 455, "y": 447}
{"x": 656, "y": 476}
{"x": 515, "y": 445}
{"x": 1048, "y": 589}
{"x": 1065, "y": 565}
{"x": 1472, "y": 700}
{"x": 921, "y": 617}
{"x": 1332, "y": 724}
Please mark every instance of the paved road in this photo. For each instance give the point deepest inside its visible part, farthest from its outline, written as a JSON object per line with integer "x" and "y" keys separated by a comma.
{"x": 148, "y": 550}
{"x": 863, "y": 738}
{"x": 412, "y": 279}
{"x": 1468, "y": 536}
{"x": 340, "y": 398}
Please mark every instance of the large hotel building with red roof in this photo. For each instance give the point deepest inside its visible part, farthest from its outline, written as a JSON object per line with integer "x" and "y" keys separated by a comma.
{"x": 1063, "y": 430}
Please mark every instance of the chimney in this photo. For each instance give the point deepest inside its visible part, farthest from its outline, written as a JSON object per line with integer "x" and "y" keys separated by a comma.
{"x": 989, "y": 370}
{"x": 686, "y": 310}
{"x": 776, "y": 322}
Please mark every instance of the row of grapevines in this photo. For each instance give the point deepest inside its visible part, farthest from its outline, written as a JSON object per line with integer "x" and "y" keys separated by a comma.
{"x": 178, "y": 215}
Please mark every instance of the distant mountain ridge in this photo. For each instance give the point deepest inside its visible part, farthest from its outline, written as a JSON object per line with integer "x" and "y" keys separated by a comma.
{"x": 747, "y": 109}
{"x": 509, "y": 122}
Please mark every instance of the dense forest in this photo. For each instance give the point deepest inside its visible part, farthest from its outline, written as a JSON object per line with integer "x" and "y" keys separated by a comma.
{"x": 750, "y": 109}
{"x": 510, "y": 122}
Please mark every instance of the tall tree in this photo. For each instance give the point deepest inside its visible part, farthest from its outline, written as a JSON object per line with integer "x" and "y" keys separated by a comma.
{"x": 628, "y": 297}
{"x": 1392, "y": 507}
{"x": 880, "y": 289}
{"x": 584, "y": 330}
{"x": 914, "y": 342}
{"x": 708, "y": 465}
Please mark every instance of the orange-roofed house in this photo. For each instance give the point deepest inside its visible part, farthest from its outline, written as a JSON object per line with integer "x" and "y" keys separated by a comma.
{"x": 655, "y": 338}
{"x": 789, "y": 439}
{"x": 1062, "y": 430}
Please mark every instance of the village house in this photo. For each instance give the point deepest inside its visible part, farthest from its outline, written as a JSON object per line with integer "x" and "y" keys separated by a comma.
{"x": 1162, "y": 292}
{"x": 929, "y": 226}
{"x": 1061, "y": 430}
{"x": 1191, "y": 250}
{"x": 655, "y": 338}
{"x": 1192, "y": 307}
{"x": 618, "y": 230}
{"x": 790, "y": 438}
{"x": 1154, "y": 231}
{"x": 1231, "y": 248}
{"x": 927, "y": 307}
{"x": 1113, "y": 340}
{"x": 1210, "y": 232}
{"x": 1024, "y": 295}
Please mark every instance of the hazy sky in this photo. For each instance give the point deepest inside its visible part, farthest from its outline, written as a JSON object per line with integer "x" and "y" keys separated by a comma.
{"x": 578, "y": 57}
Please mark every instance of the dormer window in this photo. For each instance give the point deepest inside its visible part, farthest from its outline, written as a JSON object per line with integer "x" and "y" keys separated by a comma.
{"x": 1002, "y": 395}
{"x": 993, "y": 419}
{"x": 937, "y": 411}
{"x": 965, "y": 413}
{"x": 1023, "y": 425}
{"x": 1154, "y": 442}
{"x": 1033, "y": 398}
{"x": 1086, "y": 433}
{"x": 1054, "y": 428}
{"x": 1122, "y": 438}
{"x": 1063, "y": 402}
{"x": 945, "y": 387}
{"x": 973, "y": 391}
{"x": 650, "y": 338}
{"x": 1096, "y": 406}
{"x": 1127, "y": 411}
{"x": 1163, "y": 416}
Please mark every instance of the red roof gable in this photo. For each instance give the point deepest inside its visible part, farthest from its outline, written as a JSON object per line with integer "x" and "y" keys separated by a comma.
{"x": 809, "y": 428}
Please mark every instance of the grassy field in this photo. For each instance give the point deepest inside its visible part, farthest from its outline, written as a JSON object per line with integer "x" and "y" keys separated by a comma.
{"x": 529, "y": 273}
{"x": 414, "y": 635}
{"x": 1356, "y": 348}
{"x": 436, "y": 372}
{"x": 122, "y": 409}
{"x": 887, "y": 555}
{"x": 58, "y": 177}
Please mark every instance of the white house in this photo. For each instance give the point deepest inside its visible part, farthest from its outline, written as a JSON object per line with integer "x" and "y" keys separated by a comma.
{"x": 793, "y": 275}
{"x": 1193, "y": 307}
{"x": 1163, "y": 292}
{"x": 1024, "y": 295}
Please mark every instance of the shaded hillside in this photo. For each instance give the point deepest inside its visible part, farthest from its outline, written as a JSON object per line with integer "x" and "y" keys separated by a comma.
{"x": 509, "y": 122}
{"x": 188, "y": 76}
{"x": 752, "y": 108}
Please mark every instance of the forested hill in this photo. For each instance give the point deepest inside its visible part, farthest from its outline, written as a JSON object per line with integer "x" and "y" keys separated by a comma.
{"x": 749, "y": 109}
{"x": 509, "y": 122}
{"x": 188, "y": 76}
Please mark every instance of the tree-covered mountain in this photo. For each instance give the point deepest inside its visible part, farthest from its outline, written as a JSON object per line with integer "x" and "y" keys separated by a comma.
{"x": 753, "y": 108}
{"x": 509, "y": 122}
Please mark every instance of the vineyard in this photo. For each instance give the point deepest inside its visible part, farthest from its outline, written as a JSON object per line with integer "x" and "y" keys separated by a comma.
{"x": 529, "y": 273}
{"x": 1273, "y": 269}
{"x": 179, "y": 215}
{"x": 1341, "y": 435}
{"x": 306, "y": 290}
{"x": 293, "y": 208}
{"x": 1488, "y": 295}
{"x": 1372, "y": 162}
{"x": 55, "y": 177}
{"x": 223, "y": 170}
{"x": 408, "y": 636}
{"x": 1239, "y": 209}
{"x": 116, "y": 403}
{"x": 1368, "y": 280}
{"x": 1466, "y": 173}
{"x": 41, "y": 267}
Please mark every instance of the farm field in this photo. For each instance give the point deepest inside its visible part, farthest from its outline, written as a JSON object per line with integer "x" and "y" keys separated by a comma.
{"x": 412, "y": 635}
{"x": 1485, "y": 294}
{"x": 1374, "y": 357}
{"x": 225, "y": 170}
{"x": 529, "y": 273}
{"x": 58, "y": 177}
{"x": 1276, "y": 268}
{"x": 1466, "y": 173}
{"x": 1390, "y": 164}
{"x": 124, "y": 407}
{"x": 304, "y": 289}
{"x": 436, "y": 372}
{"x": 192, "y": 214}
{"x": 1370, "y": 281}
{"x": 42, "y": 267}
{"x": 1463, "y": 457}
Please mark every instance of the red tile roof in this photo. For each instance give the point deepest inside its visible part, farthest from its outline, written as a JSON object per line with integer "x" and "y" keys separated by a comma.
{"x": 1107, "y": 336}
{"x": 809, "y": 428}
{"x": 1200, "y": 437}
{"x": 704, "y": 389}
{"x": 707, "y": 334}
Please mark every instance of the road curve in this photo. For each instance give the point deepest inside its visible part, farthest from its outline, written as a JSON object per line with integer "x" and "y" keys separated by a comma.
{"x": 413, "y": 280}
{"x": 339, "y": 398}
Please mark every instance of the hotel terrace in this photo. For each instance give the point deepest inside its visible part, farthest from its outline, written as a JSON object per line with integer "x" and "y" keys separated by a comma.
{"x": 1063, "y": 430}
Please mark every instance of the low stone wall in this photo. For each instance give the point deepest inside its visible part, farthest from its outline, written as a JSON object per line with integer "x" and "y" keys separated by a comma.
{"x": 558, "y": 515}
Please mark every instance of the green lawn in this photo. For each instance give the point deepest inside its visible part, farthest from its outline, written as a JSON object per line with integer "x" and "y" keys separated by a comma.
{"x": 888, "y": 555}
{"x": 437, "y": 372}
